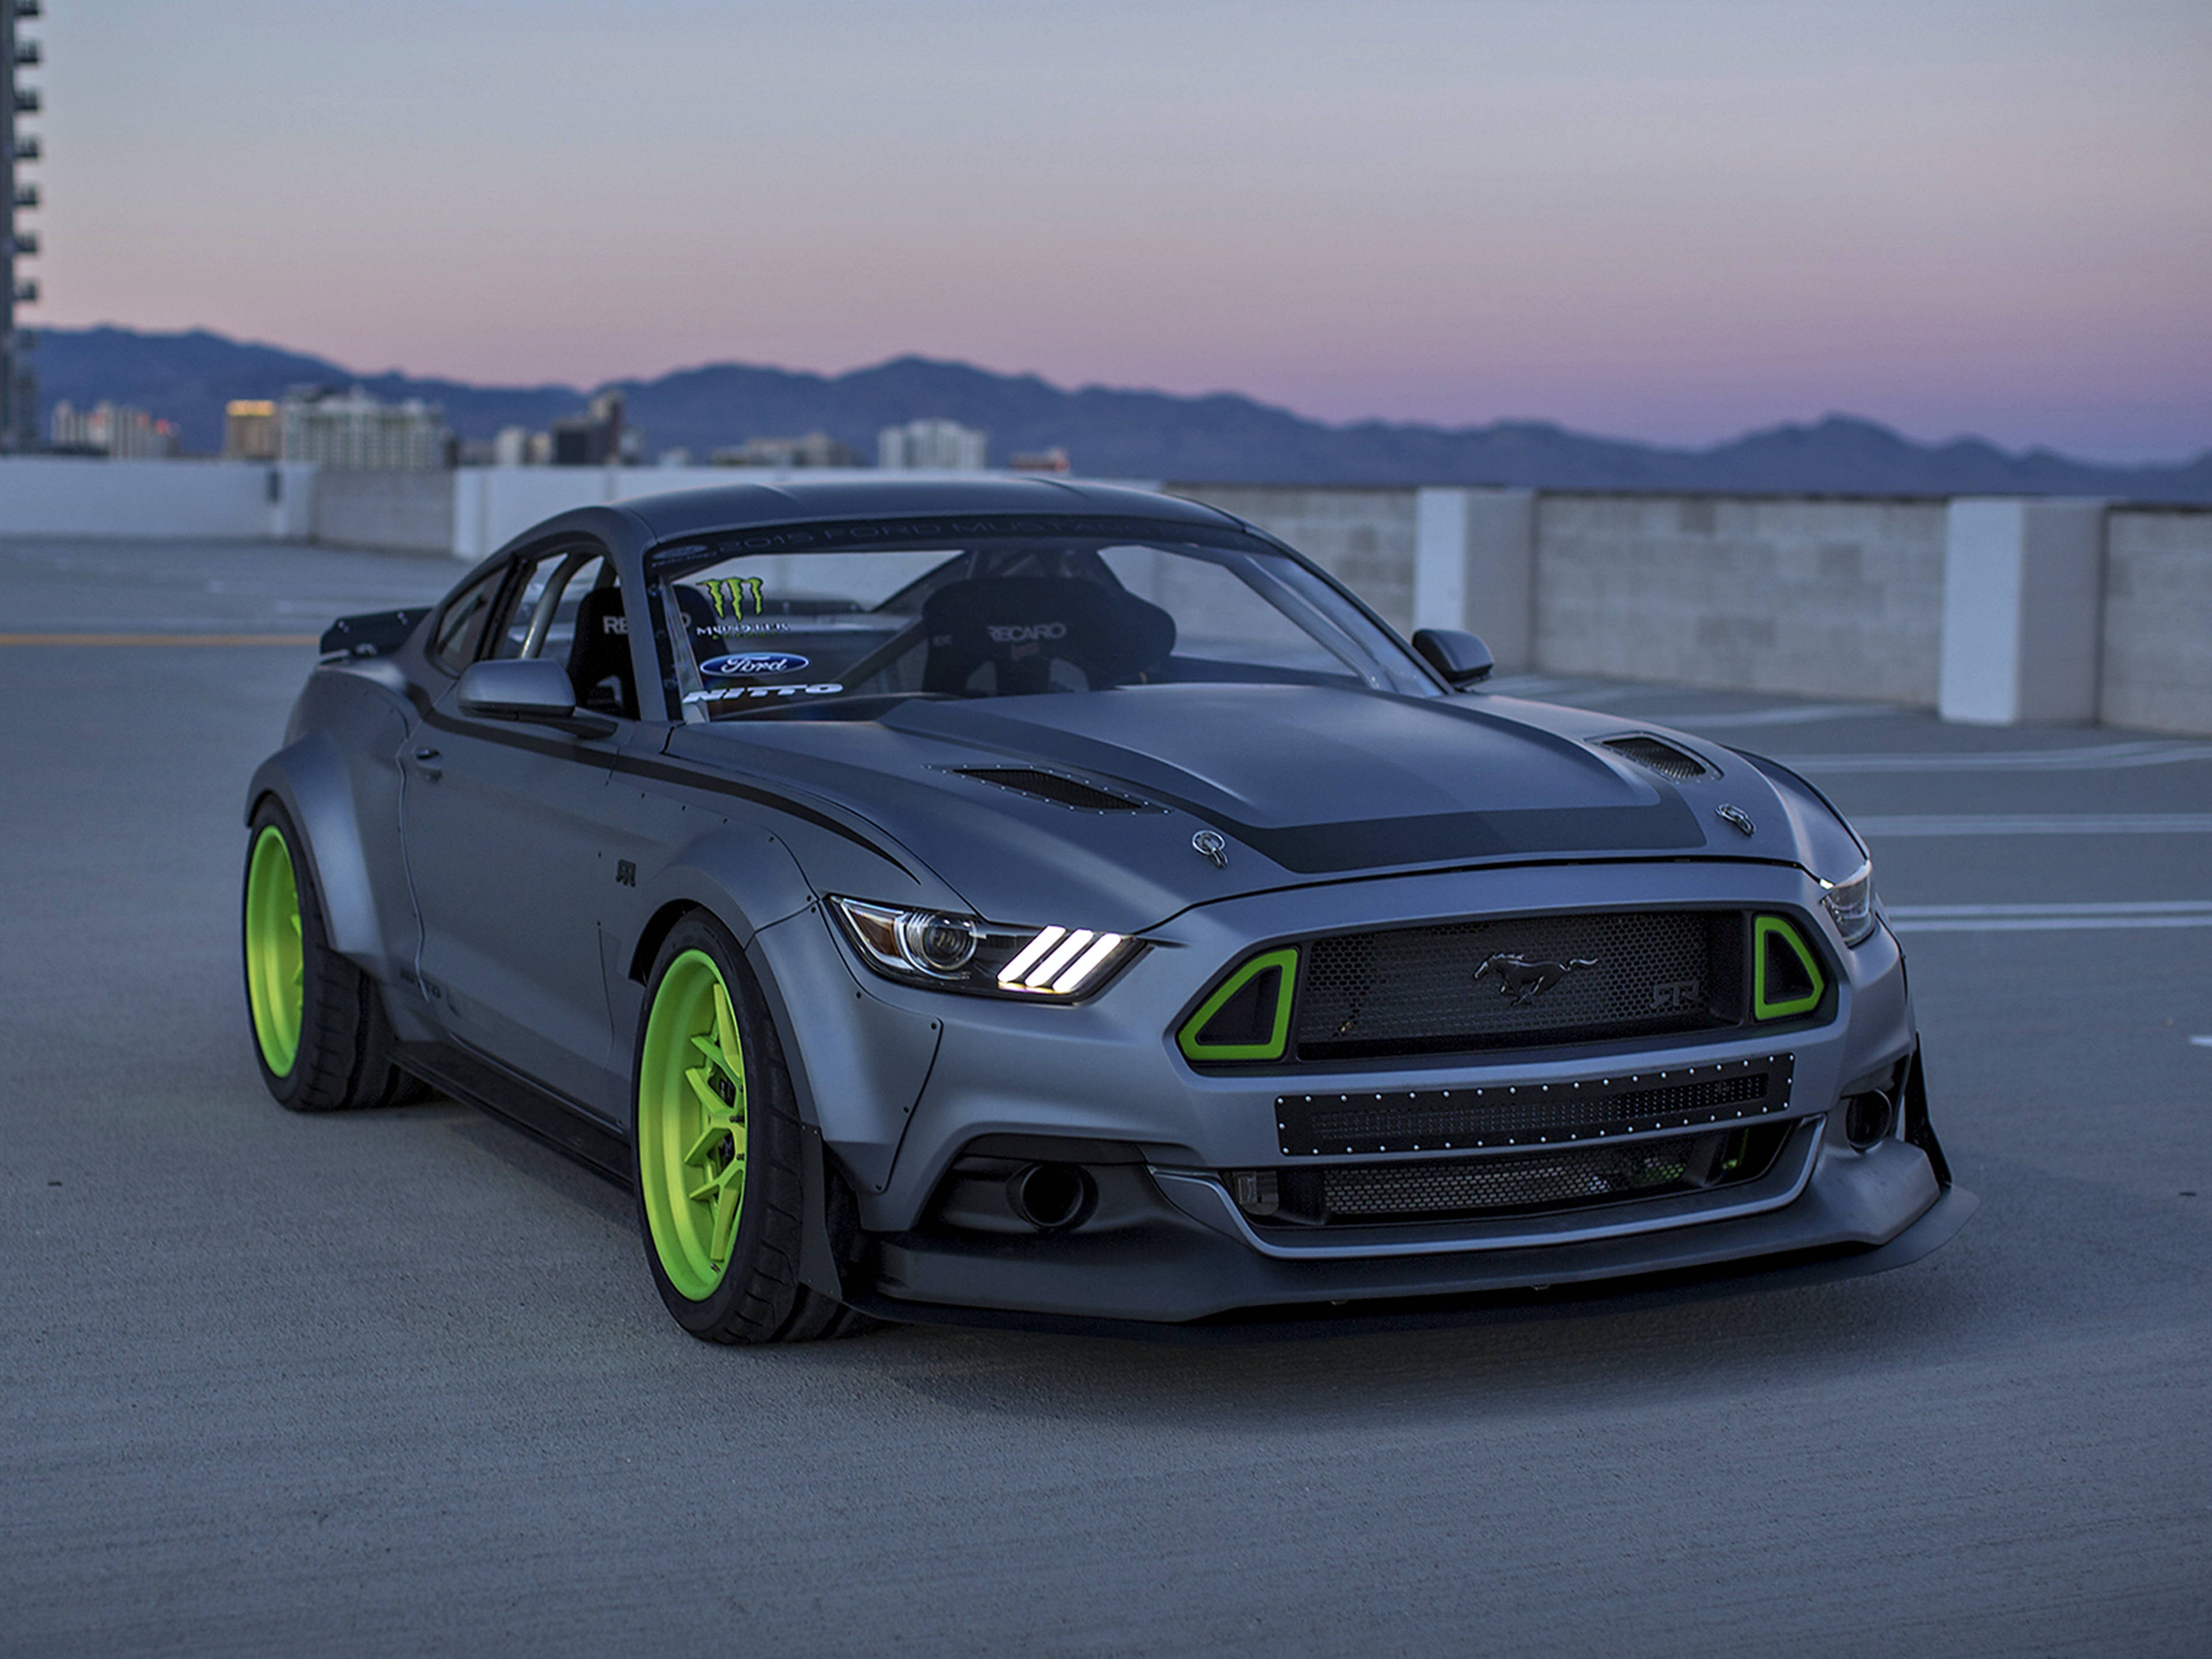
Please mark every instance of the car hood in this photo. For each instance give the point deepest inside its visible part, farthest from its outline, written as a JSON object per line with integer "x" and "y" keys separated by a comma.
{"x": 1300, "y": 783}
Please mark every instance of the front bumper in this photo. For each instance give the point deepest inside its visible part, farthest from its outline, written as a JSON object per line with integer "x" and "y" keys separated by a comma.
{"x": 1178, "y": 1247}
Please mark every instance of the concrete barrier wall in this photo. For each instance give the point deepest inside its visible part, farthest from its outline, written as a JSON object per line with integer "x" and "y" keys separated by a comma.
{"x": 2156, "y": 665}
{"x": 1815, "y": 597}
{"x": 82, "y": 495}
{"x": 412, "y": 510}
{"x": 1363, "y": 537}
{"x": 1994, "y": 611}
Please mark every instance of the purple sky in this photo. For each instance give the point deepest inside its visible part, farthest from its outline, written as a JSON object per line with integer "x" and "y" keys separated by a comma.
{"x": 1663, "y": 219}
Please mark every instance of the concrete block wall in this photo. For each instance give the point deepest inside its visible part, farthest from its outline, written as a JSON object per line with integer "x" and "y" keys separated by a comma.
{"x": 199, "y": 501}
{"x": 1363, "y": 538}
{"x": 1813, "y": 598}
{"x": 413, "y": 511}
{"x": 2155, "y": 668}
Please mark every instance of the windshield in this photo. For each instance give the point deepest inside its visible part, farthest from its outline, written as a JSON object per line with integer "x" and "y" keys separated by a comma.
{"x": 824, "y": 629}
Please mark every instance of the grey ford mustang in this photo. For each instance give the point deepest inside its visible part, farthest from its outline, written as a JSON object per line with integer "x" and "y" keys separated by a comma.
{"x": 972, "y": 899}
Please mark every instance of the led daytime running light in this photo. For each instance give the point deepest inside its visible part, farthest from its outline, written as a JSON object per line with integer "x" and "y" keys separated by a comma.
{"x": 1050, "y": 962}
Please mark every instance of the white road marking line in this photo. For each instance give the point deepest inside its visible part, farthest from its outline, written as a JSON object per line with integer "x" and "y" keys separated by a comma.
{"x": 2203, "y": 1042}
{"x": 2038, "y": 824}
{"x": 2048, "y": 918}
{"x": 2099, "y": 757}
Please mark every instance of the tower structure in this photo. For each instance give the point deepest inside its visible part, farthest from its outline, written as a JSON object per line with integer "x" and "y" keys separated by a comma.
{"x": 19, "y": 387}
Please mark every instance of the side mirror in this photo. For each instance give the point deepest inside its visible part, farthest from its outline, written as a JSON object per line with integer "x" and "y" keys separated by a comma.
{"x": 1461, "y": 657}
{"x": 517, "y": 689}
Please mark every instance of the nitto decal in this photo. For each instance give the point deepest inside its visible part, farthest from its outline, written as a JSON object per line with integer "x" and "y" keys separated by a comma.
{"x": 732, "y": 693}
{"x": 1027, "y": 633}
{"x": 752, "y": 662}
{"x": 731, "y": 594}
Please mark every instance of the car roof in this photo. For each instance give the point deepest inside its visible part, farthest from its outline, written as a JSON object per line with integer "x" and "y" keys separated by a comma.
{"x": 738, "y": 507}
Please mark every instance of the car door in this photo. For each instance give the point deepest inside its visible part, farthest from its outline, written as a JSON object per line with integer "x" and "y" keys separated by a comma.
{"x": 508, "y": 829}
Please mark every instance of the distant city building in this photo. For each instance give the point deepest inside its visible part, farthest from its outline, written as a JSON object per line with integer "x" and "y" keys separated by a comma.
{"x": 354, "y": 430}
{"x": 19, "y": 386}
{"x": 931, "y": 445}
{"x": 114, "y": 430}
{"x": 598, "y": 437}
{"x": 512, "y": 447}
{"x": 1040, "y": 460}
{"x": 249, "y": 430}
{"x": 815, "y": 449}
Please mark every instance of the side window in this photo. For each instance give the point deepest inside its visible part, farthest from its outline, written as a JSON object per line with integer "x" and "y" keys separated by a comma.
{"x": 566, "y": 607}
{"x": 461, "y": 629}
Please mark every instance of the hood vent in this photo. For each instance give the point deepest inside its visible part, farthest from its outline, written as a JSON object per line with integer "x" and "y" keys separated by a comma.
{"x": 1052, "y": 787}
{"x": 1664, "y": 758}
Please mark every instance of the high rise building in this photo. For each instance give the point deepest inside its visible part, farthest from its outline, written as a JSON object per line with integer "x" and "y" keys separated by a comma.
{"x": 931, "y": 445}
{"x": 249, "y": 430}
{"x": 19, "y": 387}
{"x": 115, "y": 430}
{"x": 353, "y": 429}
{"x": 598, "y": 437}
{"x": 815, "y": 449}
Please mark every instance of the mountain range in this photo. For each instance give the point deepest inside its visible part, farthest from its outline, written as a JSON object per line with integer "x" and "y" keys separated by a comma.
{"x": 1223, "y": 438}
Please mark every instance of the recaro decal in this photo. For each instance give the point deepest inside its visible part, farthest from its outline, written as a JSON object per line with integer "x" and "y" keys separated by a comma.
{"x": 1026, "y": 632}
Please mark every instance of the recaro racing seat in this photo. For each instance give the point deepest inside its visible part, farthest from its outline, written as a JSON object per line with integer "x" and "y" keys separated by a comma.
{"x": 1021, "y": 625}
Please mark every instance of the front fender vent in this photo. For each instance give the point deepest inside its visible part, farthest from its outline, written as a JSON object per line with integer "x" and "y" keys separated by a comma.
{"x": 1660, "y": 757}
{"x": 1059, "y": 790}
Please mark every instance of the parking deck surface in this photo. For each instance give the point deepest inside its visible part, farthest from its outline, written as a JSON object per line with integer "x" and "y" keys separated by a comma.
{"x": 399, "y": 1381}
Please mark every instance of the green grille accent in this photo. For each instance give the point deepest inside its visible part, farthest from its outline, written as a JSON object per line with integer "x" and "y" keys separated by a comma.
{"x": 1772, "y": 1001}
{"x": 1191, "y": 1039}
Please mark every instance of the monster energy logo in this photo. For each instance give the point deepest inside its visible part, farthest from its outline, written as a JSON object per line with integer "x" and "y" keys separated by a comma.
{"x": 731, "y": 594}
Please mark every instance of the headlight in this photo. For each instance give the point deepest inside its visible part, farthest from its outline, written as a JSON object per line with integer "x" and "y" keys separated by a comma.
{"x": 1851, "y": 902}
{"x": 959, "y": 953}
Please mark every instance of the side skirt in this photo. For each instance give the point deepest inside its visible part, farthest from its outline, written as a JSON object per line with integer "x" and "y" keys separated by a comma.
{"x": 566, "y": 1128}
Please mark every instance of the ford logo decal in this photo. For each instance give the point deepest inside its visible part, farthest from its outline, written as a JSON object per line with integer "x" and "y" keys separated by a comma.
{"x": 753, "y": 662}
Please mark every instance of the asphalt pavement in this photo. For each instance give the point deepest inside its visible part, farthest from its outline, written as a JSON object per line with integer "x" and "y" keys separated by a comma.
{"x": 399, "y": 1383}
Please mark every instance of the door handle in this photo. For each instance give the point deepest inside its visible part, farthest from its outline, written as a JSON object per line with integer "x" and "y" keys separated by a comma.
{"x": 424, "y": 759}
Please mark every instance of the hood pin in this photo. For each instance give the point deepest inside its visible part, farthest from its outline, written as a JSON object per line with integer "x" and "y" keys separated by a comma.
{"x": 1736, "y": 816}
{"x": 1213, "y": 846}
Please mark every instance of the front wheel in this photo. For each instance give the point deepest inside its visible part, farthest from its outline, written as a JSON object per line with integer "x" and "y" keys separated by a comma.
{"x": 721, "y": 1200}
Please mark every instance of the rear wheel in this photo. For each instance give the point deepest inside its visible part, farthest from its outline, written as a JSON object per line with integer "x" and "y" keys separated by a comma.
{"x": 319, "y": 1030}
{"x": 721, "y": 1198}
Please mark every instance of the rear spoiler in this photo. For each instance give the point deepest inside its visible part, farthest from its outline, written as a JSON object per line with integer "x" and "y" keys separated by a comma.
{"x": 377, "y": 635}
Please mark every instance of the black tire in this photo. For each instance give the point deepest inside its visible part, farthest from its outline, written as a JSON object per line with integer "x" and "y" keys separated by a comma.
{"x": 759, "y": 1297}
{"x": 344, "y": 1054}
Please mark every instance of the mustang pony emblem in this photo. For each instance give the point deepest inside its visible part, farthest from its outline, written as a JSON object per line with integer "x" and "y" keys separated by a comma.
{"x": 1523, "y": 981}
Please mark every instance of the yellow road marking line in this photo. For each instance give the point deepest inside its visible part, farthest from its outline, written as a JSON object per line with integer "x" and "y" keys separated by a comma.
{"x": 160, "y": 639}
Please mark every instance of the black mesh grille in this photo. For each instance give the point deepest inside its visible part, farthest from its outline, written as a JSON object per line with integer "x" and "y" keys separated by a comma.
{"x": 1430, "y": 1120}
{"x": 1528, "y": 980}
{"x": 1574, "y": 1176}
{"x": 1663, "y": 758}
{"x": 1052, "y": 786}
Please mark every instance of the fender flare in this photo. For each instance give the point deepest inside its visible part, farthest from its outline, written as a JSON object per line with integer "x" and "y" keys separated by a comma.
{"x": 309, "y": 780}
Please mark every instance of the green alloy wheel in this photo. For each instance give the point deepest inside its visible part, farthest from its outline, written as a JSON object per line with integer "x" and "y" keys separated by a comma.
{"x": 275, "y": 976}
{"x": 718, "y": 1143}
{"x": 691, "y": 1125}
{"x": 319, "y": 1028}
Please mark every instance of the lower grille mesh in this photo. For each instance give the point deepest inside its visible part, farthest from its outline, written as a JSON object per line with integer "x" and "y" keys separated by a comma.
{"x": 1434, "y": 1120}
{"x": 1578, "y": 1175}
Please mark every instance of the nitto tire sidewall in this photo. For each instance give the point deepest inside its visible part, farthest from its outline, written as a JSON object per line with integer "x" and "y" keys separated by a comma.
{"x": 723, "y": 1314}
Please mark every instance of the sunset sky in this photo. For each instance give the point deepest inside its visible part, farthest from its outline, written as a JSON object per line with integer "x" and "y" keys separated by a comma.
{"x": 1663, "y": 219}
